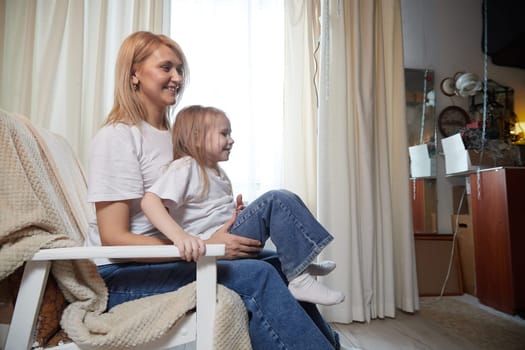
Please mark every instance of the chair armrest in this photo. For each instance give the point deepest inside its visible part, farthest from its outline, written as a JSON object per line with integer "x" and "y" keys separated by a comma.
{"x": 120, "y": 252}
{"x": 37, "y": 270}
{"x": 206, "y": 275}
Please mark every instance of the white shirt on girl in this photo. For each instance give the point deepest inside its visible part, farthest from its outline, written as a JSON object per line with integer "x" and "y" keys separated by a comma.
{"x": 180, "y": 188}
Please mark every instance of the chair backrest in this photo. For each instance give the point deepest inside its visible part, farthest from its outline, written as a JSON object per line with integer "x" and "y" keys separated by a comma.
{"x": 30, "y": 152}
{"x": 35, "y": 210}
{"x": 71, "y": 176}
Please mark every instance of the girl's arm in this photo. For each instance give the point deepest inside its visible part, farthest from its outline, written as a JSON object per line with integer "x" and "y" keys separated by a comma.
{"x": 190, "y": 247}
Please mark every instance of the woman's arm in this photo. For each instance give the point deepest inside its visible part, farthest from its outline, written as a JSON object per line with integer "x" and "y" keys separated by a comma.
{"x": 190, "y": 247}
{"x": 113, "y": 226}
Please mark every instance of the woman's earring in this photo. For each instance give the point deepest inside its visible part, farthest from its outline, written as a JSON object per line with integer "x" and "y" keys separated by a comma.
{"x": 135, "y": 83}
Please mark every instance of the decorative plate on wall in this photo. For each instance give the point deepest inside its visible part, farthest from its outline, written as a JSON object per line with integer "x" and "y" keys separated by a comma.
{"x": 451, "y": 119}
{"x": 448, "y": 87}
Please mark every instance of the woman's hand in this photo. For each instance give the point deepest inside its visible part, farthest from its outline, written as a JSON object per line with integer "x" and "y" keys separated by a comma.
{"x": 236, "y": 246}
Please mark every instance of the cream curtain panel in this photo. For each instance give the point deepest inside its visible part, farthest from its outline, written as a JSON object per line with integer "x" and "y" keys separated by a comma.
{"x": 57, "y": 60}
{"x": 363, "y": 193}
{"x": 345, "y": 147}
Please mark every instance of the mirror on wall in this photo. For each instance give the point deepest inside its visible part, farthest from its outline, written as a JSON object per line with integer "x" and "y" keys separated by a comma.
{"x": 421, "y": 121}
{"x": 422, "y": 134}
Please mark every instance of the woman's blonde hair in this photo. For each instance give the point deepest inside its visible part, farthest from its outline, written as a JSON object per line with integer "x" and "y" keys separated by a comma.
{"x": 189, "y": 132}
{"x": 135, "y": 49}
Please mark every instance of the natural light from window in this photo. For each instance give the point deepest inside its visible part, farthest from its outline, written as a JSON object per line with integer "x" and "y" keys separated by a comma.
{"x": 235, "y": 54}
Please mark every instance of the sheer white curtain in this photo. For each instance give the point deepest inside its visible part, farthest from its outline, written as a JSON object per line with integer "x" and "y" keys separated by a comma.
{"x": 57, "y": 60}
{"x": 302, "y": 32}
{"x": 363, "y": 194}
{"x": 235, "y": 53}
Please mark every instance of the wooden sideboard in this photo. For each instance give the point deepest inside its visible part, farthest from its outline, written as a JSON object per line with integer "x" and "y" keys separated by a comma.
{"x": 498, "y": 218}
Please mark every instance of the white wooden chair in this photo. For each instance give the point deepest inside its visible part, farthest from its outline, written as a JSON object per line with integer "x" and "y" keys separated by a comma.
{"x": 23, "y": 323}
{"x": 195, "y": 329}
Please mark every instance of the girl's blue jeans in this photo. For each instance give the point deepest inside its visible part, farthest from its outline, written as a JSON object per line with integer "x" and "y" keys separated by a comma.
{"x": 282, "y": 216}
{"x": 276, "y": 319}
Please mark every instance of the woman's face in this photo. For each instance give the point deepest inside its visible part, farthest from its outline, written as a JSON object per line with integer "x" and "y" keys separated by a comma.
{"x": 159, "y": 78}
{"x": 219, "y": 141}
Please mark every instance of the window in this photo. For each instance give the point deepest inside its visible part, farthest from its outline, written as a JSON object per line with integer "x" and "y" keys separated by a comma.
{"x": 235, "y": 54}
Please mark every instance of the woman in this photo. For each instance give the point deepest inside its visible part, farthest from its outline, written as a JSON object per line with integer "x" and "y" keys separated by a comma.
{"x": 127, "y": 155}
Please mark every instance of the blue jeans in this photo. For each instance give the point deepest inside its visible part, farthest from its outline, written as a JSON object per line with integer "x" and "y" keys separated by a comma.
{"x": 276, "y": 319}
{"x": 282, "y": 216}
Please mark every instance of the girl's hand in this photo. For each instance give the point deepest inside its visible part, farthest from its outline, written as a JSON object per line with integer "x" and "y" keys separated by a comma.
{"x": 236, "y": 246}
{"x": 191, "y": 248}
{"x": 240, "y": 205}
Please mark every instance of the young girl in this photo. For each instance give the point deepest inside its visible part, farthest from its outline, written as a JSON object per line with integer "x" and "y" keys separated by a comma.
{"x": 198, "y": 196}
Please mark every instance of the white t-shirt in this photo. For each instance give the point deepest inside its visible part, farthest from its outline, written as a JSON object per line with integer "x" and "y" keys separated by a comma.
{"x": 124, "y": 161}
{"x": 180, "y": 188}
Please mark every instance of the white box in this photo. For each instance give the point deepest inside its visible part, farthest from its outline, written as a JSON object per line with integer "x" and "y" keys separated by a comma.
{"x": 457, "y": 158}
{"x": 421, "y": 164}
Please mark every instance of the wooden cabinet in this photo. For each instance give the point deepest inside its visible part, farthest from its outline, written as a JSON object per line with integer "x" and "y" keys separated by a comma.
{"x": 432, "y": 263}
{"x": 498, "y": 218}
{"x": 424, "y": 205}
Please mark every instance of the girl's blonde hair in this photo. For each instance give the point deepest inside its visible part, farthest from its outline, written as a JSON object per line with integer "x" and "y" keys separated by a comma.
{"x": 189, "y": 132}
{"x": 135, "y": 49}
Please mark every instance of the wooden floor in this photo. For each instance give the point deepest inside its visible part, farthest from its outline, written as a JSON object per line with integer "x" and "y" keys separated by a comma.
{"x": 406, "y": 331}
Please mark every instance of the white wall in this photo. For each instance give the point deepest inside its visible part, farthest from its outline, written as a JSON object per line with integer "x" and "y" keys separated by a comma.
{"x": 446, "y": 36}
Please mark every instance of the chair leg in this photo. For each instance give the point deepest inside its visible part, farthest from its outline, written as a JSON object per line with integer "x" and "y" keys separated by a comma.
{"x": 206, "y": 301}
{"x": 28, "y": 300}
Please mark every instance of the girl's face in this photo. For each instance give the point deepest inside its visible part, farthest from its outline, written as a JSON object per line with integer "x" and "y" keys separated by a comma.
{"x": 159, "y": 78}
{"x": 219, "y": 141}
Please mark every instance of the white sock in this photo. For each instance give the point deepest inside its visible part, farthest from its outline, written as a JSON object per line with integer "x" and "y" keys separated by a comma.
{"x": 306, "y": 288}
{"x": 321, "y": 268}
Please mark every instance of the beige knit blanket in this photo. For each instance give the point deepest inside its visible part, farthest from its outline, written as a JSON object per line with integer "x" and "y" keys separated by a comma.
{"x": 35, "y": 214}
